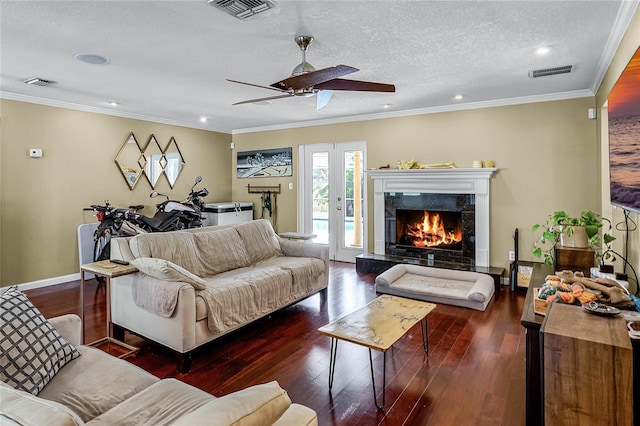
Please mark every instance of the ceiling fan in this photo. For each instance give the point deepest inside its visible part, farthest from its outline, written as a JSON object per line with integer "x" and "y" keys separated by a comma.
{"x": 306, "y": 81}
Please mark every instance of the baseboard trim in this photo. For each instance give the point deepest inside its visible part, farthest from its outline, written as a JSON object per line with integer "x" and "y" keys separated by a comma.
{"x": 49, "y": 282}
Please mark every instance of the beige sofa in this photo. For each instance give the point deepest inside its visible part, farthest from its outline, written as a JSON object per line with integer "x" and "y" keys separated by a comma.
{"x": 98, "y": 389}
{"x": 197, "y": 285}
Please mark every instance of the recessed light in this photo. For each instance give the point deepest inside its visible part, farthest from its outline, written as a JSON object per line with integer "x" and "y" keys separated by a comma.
{"x": 203, "y": 119}
{"x": 113, "y": 103}
{"x": 542, "y": 50}
{"x": 386, "y": 106}
{"x": 91, "y": 58}
{"x": 457, "y": 97}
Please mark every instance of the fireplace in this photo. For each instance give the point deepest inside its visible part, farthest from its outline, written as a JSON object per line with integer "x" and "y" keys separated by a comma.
{"x": 429, "y": 229}
{"x": 460, "y": 199}
{"x": 438, "y": 227}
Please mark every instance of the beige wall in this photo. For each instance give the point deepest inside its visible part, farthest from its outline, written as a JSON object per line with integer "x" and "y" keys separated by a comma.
{"x": 630, "y": 43}
{"x": 547, "y": 154}
{"x": 42, "y": 200}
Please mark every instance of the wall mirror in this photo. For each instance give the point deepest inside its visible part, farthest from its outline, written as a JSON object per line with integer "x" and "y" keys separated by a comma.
{"x": 130, "y": 161}
{"x": 154, "y": 164}
{"x": 174, "y": 162}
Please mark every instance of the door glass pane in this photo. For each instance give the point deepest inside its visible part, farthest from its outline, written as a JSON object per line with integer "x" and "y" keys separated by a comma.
{"x": 320, "y": 185}
{"x": 353, "y": 199}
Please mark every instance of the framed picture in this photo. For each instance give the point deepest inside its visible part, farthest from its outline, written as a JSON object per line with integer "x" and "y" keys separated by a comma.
{"x": 265, "y": 163}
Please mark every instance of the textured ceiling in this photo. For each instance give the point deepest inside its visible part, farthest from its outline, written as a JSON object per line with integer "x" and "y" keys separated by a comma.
{"x": 170, "y": 59}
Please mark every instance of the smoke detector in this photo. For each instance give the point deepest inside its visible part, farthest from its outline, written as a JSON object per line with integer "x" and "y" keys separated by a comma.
{"x": 550, "y": 71}
{"x": 35, "y": 81}
{"x": 242, "y": 9}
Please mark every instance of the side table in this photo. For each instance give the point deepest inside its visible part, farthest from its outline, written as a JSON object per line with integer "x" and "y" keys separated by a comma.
{"x": 107, "y": 270}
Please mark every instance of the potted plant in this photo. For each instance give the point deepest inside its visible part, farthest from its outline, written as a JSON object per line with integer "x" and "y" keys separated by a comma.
{"x": 559, "y": 227}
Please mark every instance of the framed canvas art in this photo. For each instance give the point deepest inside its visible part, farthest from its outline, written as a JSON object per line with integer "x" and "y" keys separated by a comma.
{"x": 275, "y": 162}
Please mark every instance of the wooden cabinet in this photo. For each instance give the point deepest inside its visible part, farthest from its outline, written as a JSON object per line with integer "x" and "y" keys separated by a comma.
{"x": 586, "y": 376}
{"x": 575, "y": 259}
{"x": 587, "y": 368}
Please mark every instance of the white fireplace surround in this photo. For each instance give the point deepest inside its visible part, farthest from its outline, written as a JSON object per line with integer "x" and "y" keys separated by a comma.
{"x": 435, "y": 181}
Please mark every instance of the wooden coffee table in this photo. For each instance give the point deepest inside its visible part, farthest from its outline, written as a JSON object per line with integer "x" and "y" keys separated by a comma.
{"x": 378, "y": 326}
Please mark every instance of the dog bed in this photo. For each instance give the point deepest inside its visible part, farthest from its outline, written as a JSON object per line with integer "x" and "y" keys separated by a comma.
{"x": 450, "y": 287}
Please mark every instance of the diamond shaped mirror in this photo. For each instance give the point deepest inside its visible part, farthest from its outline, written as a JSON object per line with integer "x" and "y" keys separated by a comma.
{"x": 128, "y": 159}
{"x": 174, "y": 162}
{"x": 153, "y": 155}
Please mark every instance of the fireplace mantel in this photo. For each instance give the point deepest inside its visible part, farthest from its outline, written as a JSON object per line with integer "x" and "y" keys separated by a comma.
{"x": 444, "y": 181}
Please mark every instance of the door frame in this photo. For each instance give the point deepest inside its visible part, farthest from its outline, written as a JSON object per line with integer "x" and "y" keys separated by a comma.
{"x": 305, "y": 218}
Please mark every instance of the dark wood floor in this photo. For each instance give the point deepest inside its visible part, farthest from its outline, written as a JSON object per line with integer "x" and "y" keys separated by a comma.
{"x": 473, "y": 374}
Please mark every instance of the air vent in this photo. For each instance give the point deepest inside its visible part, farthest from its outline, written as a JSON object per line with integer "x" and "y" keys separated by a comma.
{"x": 550, "y": 71}
{"x": 35, "y": 81}
{"x": 242, "y": 9}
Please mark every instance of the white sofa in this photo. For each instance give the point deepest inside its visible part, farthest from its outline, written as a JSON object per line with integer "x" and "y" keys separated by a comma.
{"x": 98, "y": 389}
{"x": 217, "y": 279}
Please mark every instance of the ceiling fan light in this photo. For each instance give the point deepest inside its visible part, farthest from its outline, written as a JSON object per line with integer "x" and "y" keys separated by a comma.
{"x": 302, "y": 68}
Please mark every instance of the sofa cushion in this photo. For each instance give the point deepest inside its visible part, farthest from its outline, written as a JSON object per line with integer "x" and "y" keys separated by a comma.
{"x": 167, "y": 271}
{"x": 23, "y": 408}
{"x": 160, "y": 404}
{"x": 260, "y": 240}
{"x": 32, "y": 350}
{"x": 221, "y": 250}
{"x": 236, "y": 297}
{"x": 255, "y": 406}
{"x": 95, "y": 382}
{"x": 304, "y": 271}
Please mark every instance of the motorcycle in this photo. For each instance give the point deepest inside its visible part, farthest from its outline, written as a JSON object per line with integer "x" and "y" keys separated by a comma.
{"x": 114, "y": 222}
{"x": 174, "y": 215}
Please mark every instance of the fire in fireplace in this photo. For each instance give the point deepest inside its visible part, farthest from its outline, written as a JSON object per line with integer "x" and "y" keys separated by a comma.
{"x": 432, "y": 226}
{"x": 429, "y": 229}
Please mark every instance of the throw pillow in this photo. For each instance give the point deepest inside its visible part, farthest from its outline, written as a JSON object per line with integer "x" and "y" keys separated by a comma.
{"x": 164, "y": 270}
{"x": 32, "y": 351}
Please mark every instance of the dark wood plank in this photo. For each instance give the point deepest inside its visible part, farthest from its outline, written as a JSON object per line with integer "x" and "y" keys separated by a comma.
{"x": 474, "y": 372}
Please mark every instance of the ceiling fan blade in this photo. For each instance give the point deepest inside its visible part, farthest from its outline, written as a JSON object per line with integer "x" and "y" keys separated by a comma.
{"x": 256, "y": 85}
{"x": 312, "y": 78}
{"x": 355, "y": 85}
{"x": 322, "y": 98}
{"x": 270, "y": 98}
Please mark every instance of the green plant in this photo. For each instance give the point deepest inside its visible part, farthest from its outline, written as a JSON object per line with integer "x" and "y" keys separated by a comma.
{"x": 560, "y": 223}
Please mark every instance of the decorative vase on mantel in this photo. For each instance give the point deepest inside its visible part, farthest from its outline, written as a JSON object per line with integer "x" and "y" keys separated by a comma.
{"x": 578, "y": 239}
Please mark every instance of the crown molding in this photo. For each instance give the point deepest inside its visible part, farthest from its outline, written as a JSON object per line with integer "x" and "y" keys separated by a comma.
{"x": 620, "y": 26}
{"x": 431, "y": 110}
{"x": 323, "y": 122}
{"x": 105, "y": 111}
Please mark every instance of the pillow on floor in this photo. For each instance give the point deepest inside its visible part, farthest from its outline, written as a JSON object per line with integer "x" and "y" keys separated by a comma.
{"x": 31, "y": 350}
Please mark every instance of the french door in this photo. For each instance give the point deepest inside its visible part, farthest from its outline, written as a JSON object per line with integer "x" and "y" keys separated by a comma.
{"x": 332, "y": 197}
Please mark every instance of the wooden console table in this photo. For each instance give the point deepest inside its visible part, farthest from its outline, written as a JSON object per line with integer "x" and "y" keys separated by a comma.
{"x": 534, "y": 350}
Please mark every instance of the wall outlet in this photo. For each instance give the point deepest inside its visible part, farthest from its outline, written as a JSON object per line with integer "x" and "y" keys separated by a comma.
{"x": 512, "y": 255}
{"x": 35, "y": 152}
